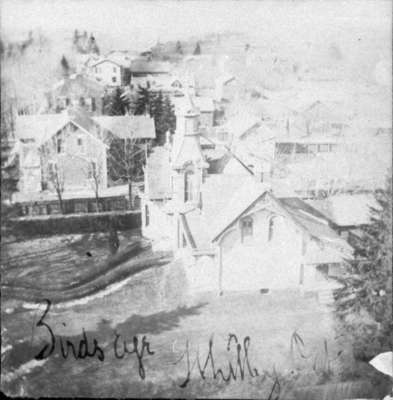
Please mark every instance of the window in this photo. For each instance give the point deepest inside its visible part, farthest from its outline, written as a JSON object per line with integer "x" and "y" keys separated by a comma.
{"x": 301, "y": 278}
{"x": 284, "y": 148}
{"x": 82, "y": 101}
{"x": 67, "y": 101}
{"x": 113, "y": 79}
{"x": 323, "y": 148}
{"x": 246, "y": 228}
{"x": 188, "y": 186}
{"x": 147, "y": 216}
{"x": 60, "y": 145}
{"x": 312, "y": 148}
{"x": 332, "y": 147}
{"x": 114, "y": 69}
{"x": 93, "y": 104}
{"x": 271, "y": 229}
{"x": 80, "y": 145}
{"x": 301, "y": 148}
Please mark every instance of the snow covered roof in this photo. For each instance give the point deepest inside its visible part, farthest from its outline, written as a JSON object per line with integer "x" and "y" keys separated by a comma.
{"x": 119, "y": 63}
{"x": 225, "y": 198}
{"x": 347, "y": 209}
{"x": 240, "y": 124}
{"x": 122, "y": 57}
{"x": 77, "y": 85}
{"x": 41, "y": 127}
{"x": 128, "y": 126}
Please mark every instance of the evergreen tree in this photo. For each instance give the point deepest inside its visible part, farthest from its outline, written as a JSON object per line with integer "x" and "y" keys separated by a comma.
{"x": 169, "y": 115}
{"x": 116, "y": 103}
{"x": 65, "y": 66}
{"x": 76, "y": 37}
{"x": 144, "y": 103}
{"x": 197, "y": 50}
{"x": 364, "y": 304}
{"x": 179, "y": 49}
{"x": 92, "y": 45}
{"x": 158, "y": 107}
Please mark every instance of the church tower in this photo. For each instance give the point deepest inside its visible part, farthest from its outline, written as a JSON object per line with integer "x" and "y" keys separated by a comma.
{"x": 187, "y": 160}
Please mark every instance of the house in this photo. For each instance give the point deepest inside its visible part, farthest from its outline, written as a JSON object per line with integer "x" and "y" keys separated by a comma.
{"x": 77, "y": 90}
{"x": 109, "y": 72}
{"x": 69, "y": 151}
{"x": 231, "y": 231}
{"x": 171, "y": 85}
{"x": 142, "y": 67}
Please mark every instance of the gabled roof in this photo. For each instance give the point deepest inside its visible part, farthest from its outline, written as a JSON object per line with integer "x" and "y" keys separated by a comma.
{"x": 240, "y": 124}
{"x": 78, "y": 85}
{"x": 42, "y": 127}
{"x": 225, "y": 198}
{"x": 347, "y": 209}
{"x": 128, "y": 126}
{"x": 103, "y": 60}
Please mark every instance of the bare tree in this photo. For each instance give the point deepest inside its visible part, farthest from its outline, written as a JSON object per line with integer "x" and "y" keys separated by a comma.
{"x": 95, "y": 177}
{"x": 56, "y": 178}
{"x": 126, "y": 157}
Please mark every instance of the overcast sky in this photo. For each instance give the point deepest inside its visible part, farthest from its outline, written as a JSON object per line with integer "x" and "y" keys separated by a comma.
{"x": 146, "y": 21}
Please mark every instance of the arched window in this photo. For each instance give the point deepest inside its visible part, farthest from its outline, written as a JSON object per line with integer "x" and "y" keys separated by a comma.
{"x": 271, "y": 229}
{"x": 246, "y": 225}
{"x": 188, "y": 186}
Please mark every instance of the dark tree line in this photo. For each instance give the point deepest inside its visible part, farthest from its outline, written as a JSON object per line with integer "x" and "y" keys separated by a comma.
{"x": 145, "y": 102}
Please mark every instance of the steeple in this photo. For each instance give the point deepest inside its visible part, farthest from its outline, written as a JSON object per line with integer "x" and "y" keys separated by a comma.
{"x": 187, "y": 160}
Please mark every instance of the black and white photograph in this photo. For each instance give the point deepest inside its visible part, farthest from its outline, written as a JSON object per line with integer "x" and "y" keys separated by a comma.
{"x": 196, "y": 199}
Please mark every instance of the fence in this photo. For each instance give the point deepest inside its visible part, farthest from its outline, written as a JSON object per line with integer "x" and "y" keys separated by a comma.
{"x": 76, "y": 206}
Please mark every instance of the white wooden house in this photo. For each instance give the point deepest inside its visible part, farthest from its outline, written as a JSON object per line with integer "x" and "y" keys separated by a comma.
{"x": 230, "y": 230}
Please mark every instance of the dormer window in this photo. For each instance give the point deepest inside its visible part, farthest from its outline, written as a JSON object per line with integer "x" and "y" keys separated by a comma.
{"x": 246, "y": 226}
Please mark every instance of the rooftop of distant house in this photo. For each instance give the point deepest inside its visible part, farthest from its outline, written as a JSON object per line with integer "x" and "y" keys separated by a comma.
{"x": 78, "y": 85}
{"x": 40, "y": 128}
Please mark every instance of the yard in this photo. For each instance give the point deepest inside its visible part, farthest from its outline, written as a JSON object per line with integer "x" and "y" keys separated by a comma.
{"x": 292, "y": 349}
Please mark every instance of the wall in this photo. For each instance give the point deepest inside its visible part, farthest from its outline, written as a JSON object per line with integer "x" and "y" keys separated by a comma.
{"x": 105, "y": 71}
{"x": 258, "y": 263}
{"x": 75, "y": 160}
{"x": 30, "y": 167}
{"x": 160, "y": 227}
